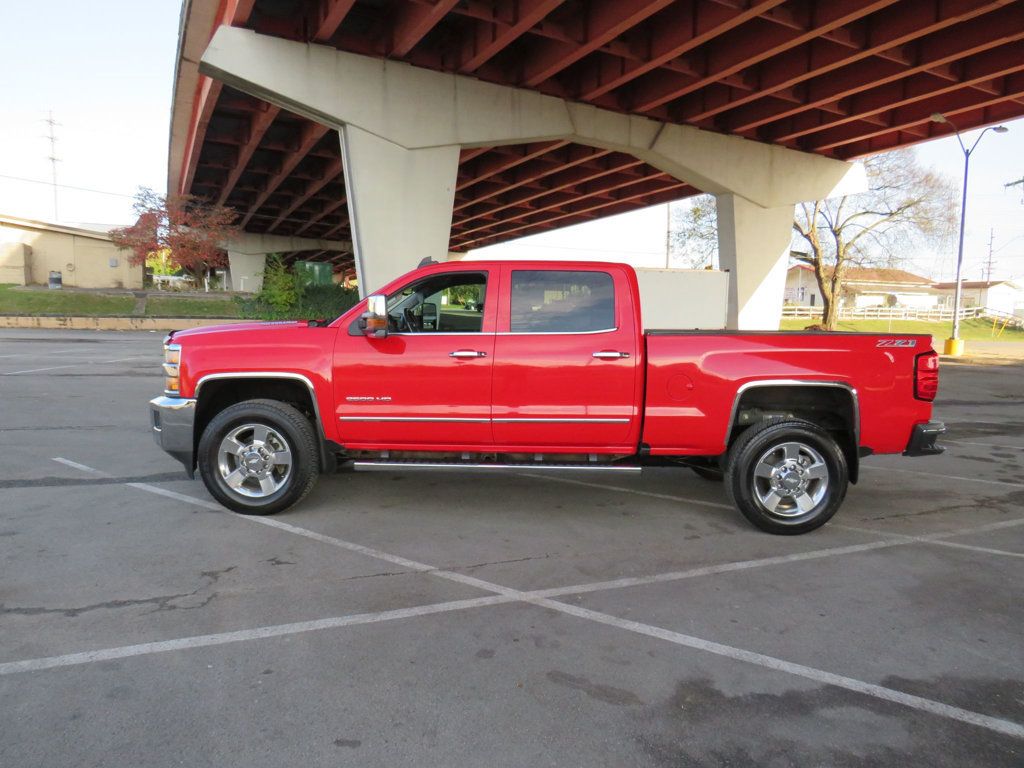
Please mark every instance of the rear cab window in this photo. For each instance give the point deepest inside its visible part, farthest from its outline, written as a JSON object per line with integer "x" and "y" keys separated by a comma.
{"x": 556, "y": 301}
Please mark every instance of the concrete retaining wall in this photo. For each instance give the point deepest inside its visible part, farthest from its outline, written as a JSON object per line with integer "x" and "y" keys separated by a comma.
{"x": 113, "y": 323}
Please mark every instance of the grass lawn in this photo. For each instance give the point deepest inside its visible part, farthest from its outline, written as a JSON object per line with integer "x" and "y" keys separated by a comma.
{"x": 971, "y": 330}
{"x": 15, "y": 302}
{"x": 174, "y": 306}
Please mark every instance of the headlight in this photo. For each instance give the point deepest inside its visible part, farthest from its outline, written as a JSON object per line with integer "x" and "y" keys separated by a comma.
{"x": 172, "y": 361}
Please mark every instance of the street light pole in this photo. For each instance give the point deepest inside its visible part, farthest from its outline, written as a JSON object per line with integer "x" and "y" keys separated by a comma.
{"x": 958, "y": 293}
{"x": 954, "y": 344}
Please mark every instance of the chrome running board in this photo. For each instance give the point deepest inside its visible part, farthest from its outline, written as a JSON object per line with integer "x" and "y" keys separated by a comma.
{"x": 455, "y": 466}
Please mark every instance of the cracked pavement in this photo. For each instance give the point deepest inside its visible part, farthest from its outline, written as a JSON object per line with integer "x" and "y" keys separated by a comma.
{"x": 88, "y": 563}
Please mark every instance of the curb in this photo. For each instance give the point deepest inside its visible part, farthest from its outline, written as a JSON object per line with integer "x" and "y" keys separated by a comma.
{"x": 113, "y": 323}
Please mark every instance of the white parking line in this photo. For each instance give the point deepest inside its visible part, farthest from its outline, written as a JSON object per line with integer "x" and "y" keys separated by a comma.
{"x": 82, "y": 467}
{"x": 710, "y": 570}
{"x": 937, "y": 539}
{"x": 270, "y": 522}
{"x": 46, "y": 353}
{"x": 259, "y": 633}
{"x": 622, "y": 489}
{"x": 931, "y": 706}
{"x": 506, "y": 594}
{"x": 985, "y": 445}
{"x": 38, "y": 370}
{"x": 82, "y": 364}
{"x": 171, "y": 494}
{"x": 943, "y": 476}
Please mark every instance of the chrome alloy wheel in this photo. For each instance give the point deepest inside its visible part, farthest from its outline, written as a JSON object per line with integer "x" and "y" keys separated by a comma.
{"x": 254, "y": 460}
{"x": 790, "y": 480}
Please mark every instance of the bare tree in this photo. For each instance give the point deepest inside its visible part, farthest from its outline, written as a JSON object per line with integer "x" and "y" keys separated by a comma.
{"x": 907, "y": 206}
{"x": 694, "y": 231}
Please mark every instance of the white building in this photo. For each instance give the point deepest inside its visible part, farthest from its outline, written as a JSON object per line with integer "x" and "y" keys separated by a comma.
{"x": 863, "y": 287}
{"x": 31, "y": 250}
{"x": 1003, "y": 296}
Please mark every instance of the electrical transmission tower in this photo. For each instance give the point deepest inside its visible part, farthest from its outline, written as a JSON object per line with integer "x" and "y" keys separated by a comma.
{"x": 52, "y": 136}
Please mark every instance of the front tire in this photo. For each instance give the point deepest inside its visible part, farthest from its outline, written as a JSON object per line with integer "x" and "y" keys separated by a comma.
{"x": 258, "y": 457}
{"x": 786, "y": 476}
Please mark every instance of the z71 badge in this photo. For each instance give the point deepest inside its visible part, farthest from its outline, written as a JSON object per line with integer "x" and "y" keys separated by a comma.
{"x": 897, "y": 343}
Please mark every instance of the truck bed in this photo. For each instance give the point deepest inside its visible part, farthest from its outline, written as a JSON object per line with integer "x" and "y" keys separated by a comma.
{"x": 695, "y": 379}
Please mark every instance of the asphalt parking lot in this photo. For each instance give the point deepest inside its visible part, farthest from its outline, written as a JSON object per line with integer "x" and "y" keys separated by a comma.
{"x": 493, "y": 620}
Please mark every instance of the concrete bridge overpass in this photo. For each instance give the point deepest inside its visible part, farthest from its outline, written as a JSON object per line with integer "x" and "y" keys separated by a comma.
{"x": 373, "y": 133}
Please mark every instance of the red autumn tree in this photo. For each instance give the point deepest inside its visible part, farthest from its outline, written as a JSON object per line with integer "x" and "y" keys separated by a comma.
{"x": 193, "y": 232}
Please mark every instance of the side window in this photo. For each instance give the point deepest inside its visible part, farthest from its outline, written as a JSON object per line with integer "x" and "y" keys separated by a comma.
{"x": 446, "y": 303}
{"x": 562, "y": 302}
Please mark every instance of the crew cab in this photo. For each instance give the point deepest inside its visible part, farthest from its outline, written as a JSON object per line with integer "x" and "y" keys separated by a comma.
{"x": 546, "y": 366}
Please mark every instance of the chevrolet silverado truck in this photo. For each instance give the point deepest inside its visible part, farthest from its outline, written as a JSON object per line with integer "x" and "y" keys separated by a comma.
{"x": 545, "y": 366}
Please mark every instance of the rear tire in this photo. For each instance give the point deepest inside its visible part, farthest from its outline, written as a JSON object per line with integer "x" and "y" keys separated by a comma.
{"x": 786, "y": 476}
{"x": 259, "y": 457}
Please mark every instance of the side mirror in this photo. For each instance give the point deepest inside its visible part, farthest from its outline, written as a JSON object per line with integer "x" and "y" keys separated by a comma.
{"x": 374, "y": 320}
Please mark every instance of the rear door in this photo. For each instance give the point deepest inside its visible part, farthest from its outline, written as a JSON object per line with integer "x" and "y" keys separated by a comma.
{"x": 566, "y": 362}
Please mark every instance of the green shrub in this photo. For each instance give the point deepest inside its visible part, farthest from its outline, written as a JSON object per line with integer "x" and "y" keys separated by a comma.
{"x": 280, "y": 290}
{"x": 326, "y": 302}
{"x": 284, "y": 296}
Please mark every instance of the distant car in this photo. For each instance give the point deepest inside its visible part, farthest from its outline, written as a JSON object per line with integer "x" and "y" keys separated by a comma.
{"x": 172, "y": 282}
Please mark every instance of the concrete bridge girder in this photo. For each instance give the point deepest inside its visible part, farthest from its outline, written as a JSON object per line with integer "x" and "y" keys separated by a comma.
{"x": 401, "y": 129}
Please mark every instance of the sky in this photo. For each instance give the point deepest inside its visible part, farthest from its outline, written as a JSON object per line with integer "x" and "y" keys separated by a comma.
{"x": 105, "y": 70}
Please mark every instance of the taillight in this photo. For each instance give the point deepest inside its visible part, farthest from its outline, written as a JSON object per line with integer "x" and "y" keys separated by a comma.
{"x": 926, "y": 376}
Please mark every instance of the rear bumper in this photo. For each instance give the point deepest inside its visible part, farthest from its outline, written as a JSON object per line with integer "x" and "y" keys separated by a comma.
{"x": 923, "y": 437}
{"x": 173, "y": 420}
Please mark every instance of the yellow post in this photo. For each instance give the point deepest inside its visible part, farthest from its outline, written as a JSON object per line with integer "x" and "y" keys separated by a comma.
{"x": 953, "y": 347}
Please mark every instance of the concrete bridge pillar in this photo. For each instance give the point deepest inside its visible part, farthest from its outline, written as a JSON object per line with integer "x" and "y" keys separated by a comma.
{"x": 247, "y": 255}
{"x": 400, "y": 204}
{"x": 754, "y": 244}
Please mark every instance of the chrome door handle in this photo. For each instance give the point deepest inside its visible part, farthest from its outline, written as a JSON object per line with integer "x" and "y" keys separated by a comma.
{"x": 610, "y": 355}
{"x": 462, "y": 353}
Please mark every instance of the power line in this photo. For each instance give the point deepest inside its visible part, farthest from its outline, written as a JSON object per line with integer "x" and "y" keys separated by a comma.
{"x": 291, "y": 219}
{"x": 66, "y": 186}
{"x": 1020, "y": 182}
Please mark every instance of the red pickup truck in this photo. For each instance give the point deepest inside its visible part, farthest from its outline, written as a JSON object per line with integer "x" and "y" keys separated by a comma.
{"x": 544, "y": 365}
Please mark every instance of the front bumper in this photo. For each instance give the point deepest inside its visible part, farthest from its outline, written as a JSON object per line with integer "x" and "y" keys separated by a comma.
{"x": 173, "y": 420}
{"x": 923, "y": 437}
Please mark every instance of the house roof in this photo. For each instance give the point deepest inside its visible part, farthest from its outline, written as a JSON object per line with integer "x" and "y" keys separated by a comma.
{"x": 876, "y": 275}
{"x": 975, "y": 283}
{"x": 46, "y": 226}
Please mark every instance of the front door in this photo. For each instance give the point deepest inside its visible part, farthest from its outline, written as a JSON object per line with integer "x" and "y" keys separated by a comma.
{"x": 427, "y": 384}
{"x": 566, "y": 363}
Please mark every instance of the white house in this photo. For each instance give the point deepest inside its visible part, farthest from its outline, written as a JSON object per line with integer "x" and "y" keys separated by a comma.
{"x": 1003, "y": 296}
{"x": 864, "y": 287}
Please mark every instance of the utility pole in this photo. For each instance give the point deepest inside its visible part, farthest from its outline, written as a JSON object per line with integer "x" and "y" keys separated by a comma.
{"x": 668, "y": 235}
{"x": 52, "y": 136}
{"x": 989, "y": 264}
